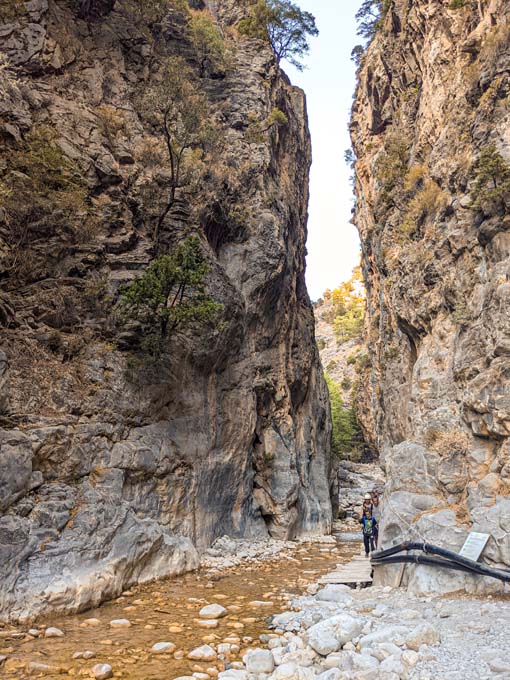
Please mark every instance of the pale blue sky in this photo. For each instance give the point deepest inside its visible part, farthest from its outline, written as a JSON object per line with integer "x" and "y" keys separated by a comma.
{"x": 333, "y": 244}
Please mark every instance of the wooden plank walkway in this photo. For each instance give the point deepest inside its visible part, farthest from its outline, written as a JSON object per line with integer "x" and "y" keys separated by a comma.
{"x": 358, "y": 570}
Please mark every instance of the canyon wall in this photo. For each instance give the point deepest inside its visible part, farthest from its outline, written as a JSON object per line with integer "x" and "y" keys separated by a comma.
{"x": 113, "y": 472}
{"x": 431, "y": 132}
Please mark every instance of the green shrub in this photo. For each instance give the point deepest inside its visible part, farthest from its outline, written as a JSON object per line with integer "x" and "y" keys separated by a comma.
{"x": 170, "y": 294}
{"x": 491, "y": 191}
{"x": 457, "y": 4}
{"x": 208, "y": 42}
{"x": 256, "y": 130}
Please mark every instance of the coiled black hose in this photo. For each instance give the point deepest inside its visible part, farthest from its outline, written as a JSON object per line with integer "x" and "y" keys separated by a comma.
{"x": 451, "y": 559}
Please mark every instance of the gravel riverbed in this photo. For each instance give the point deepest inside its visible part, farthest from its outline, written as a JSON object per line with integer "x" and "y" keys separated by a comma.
{"x": 337, "y": 633}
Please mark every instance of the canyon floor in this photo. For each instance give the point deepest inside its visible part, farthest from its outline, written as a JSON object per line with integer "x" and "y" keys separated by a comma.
{"x": 257, "y": 612}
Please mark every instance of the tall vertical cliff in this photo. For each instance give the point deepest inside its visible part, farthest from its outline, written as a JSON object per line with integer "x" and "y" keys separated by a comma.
{"x": 431, "y": 131}
{"x": 111, "y": 472}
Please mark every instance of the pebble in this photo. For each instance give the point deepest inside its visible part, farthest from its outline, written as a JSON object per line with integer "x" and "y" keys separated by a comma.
{"x": 53, "y": 632}
{"x": 90, "y": 623}
{"x": 34, "y": 632}
{"x": 163, "y": 648}
{"x": 120, "y": 623}
{"x": 212, "y": 611}
{"x": 36, "y": 667}
{"x": 203, "y": 653}
{"x": 206, "y": 623}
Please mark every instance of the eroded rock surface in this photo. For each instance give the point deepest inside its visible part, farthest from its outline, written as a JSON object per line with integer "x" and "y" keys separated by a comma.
{"x": 110, "y": 475}
{"x": 436, "y": 256}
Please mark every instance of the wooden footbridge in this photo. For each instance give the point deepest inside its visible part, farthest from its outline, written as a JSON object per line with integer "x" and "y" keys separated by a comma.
{"x": 357, "y": 571}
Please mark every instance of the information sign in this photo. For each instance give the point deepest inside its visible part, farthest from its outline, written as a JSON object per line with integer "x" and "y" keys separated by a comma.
{"x": 474, "y": 545}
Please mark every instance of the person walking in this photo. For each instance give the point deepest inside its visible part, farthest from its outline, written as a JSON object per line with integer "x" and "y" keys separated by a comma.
{"x": 376, "y": 513}
{"x": 369, "y": 524}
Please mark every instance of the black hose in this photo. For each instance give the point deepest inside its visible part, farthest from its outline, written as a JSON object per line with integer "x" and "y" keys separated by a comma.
{"x": 475, "y": 567}
{"x": 422, "y": 559}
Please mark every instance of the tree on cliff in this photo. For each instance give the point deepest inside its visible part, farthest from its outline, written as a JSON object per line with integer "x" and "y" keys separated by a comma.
{"x": 170, "y": 294}
{"x": 491, "y": 190}
{"x": 284, "y": 25}
{"x": 179, "y": 108}
{"x": 207, "y": 41}
{"x": 369, "y": 17}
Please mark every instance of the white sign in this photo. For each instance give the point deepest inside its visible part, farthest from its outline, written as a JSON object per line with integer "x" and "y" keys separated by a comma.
{"x": 474, "y": 545}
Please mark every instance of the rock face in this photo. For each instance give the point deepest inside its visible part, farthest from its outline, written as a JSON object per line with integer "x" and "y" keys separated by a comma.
{"x": 436, "y": 256}
{"x": 111, "y": 474}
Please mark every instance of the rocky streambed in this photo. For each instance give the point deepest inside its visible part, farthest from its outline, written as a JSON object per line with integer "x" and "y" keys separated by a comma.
{"x": 380, "y": 633}
{"x": 194, "y": 624}
{"x": 255, "y": 611}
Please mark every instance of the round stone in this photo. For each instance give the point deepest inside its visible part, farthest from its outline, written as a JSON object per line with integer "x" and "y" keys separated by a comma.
{"x": 53, "y": 632}
{"x": 102, "y": 671}
{"x": 212, "y": 611}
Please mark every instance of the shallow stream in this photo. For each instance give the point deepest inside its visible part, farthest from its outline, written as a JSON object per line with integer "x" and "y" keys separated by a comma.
{"x": 167, "y": 611}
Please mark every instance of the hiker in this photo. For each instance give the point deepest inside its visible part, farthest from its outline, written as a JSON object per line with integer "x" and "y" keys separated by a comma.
{"x": 369, "y": 523}
{"x": 376, "y": 513}
{"x": 367, "y": 503}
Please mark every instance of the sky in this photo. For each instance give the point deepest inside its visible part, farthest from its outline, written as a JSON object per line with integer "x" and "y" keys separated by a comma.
{"x": 328, "y": 80}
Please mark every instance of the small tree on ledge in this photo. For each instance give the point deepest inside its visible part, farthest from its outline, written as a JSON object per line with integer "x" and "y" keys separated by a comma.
{"x": 491, "y": 191}
{"x": 284, "y": 25}
{"x": 170, "y": 294}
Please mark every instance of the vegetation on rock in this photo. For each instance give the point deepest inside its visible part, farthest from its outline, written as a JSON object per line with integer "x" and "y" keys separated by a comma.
{"x": 391, "y": 167}
{"x": 171, "y": 293}
{"x": 180, "y": 110}
{"x": 42, "y": 192}
{"x": 284, "y": 25}
{"x": 346, "y": 434}
{"x": 369, "y": 17}
{"x": 426, "y": 201}
{"x": 491, "y": 191}
{"x": 208, "y": 42}
{"x": 348, "y": 308}
{"x": 255, "y": 132}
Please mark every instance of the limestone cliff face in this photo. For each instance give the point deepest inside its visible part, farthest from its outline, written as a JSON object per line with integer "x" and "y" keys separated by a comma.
{"x": 111, "y": 474}
{"x": 432, "y": 98}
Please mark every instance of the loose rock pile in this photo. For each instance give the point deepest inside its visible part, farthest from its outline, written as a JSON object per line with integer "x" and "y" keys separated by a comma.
{"x": 380, "y": 634}
{"x": 227, "y": 552}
